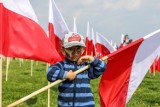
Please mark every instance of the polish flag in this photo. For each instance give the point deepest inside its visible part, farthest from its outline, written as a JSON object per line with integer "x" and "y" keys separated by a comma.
{"x": 153, "y": 66}
{"x": 93, "y": 43}
{"x": 57, "y": 27}
{"x": 21, "y": 35}
{"x": 122, "y": 40}
{"x": 87, "y": 51}
{"x": 126, "y": 69}
{"x": 158, "y": 64}
{"x": 103, "y": 47}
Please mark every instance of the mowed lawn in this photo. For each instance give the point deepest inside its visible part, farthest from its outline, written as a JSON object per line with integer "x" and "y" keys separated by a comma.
{"x": 20, "y": 83}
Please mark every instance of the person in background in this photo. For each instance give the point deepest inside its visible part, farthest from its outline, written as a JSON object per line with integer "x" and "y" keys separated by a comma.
{"x": 75, "y": 91}
{"x": 126, "y": 41}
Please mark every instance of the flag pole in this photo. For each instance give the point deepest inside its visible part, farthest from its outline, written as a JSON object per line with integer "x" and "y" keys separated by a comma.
{"x": 49, "y": 90}
{"x": 31, "y": 67}
{"x": 50, "y": 85}
{"x": 0, "y": 80}
{"x": 7, "y": 67}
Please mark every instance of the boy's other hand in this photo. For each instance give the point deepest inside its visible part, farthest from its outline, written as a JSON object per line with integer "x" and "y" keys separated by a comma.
{"x": 85, "y": 58}
{"x": 70, "y": 75}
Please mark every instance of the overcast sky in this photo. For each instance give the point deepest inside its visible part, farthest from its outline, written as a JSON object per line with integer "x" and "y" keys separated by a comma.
{"x": 111, "y": 18}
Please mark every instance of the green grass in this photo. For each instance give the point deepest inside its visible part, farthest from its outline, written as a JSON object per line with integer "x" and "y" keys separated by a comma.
{"x": 20, "y": 83}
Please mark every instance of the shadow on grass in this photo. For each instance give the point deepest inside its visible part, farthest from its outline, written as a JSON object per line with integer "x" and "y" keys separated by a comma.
{"x": 31, "y": 101}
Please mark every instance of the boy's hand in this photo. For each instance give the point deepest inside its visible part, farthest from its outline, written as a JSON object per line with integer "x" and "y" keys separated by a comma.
{"x": 85, "y": 58}
{"x": 105, "y": 59}
{"x": 70, "y": 75}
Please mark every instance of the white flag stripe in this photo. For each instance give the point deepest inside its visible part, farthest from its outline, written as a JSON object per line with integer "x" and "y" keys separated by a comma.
{"x": 88, "y": 30}
{"x": 93, "y": 37}
{"x": 144, "y": 58}
{"x": 100, "y": 39}
{"x": 74, "y": 25}
{"x": 122, "y": 38}
{"x": 60, "y": 26}
{"x": 50, "y": 11}
{"x": 22, "y": 7}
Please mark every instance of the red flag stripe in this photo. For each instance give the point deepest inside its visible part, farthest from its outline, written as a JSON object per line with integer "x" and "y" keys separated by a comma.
{"x": 22, "y": 37}
{"x": 114, "y": 82}
{"x": 126, "y": 69}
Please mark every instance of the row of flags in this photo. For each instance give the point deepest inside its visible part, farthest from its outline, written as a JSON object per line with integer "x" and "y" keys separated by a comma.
{"x": 58, "y": 28}
{"x": 21, "y": 36}
{"x": 155, "y": 67}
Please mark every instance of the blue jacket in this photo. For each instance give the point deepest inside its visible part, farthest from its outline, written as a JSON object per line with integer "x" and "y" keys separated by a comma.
{"x": 76, "y": 93}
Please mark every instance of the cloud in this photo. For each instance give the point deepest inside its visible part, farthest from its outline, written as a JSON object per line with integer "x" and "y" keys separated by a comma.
{"x": 129, "y": 5}
{"x": 154, "y": 19}
{"x": 87, "y": 2}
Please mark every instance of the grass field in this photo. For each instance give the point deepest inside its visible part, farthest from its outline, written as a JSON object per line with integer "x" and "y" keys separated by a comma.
{"x": 20, "y": 83}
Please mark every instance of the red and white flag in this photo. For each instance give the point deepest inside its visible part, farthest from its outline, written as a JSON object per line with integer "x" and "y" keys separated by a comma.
{"x": 126, "y": 69}
{"x": 158, "y": 64}
{"x": 93, "y": 43}
{"x": 90, "y": 40}
{"x": 153, "y": 66}
{"x": 122, "y": 41}
{"x": 103, "y": 47}
{"x": 57, "y": 27}
{"x": 86, "y": 51}
{"x": 21, "y": 35}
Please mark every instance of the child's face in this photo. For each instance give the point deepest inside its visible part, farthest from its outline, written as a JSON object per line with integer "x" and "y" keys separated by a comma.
{"x": 74, "y": 53}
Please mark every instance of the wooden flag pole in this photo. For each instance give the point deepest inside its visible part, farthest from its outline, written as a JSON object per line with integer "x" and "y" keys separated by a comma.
{"x": 0, "y": 80}
{"x": 50, "y": 85}
{"x": 20, "y": 62}
{"x": 36, "y": 63}
{"x": 49, "y": 90}
{"x": 7, "y": 67}
{"x": 31, "y": 67}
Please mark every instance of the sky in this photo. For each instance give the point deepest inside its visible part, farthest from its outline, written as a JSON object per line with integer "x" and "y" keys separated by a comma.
{"x": 111, "y": 18}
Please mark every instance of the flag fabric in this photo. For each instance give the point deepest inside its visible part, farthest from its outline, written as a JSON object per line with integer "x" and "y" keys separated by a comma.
{"x": 122, "y": 41}
{"x": 126, "y": 69}
{"x": 103, "y": 47}
{"x": 1, "y": 42}
{"x": 57, "y": 27}
{"x": 21, "y": 35}
{"x": 74, "y": 26}
{"x": 158, "y": 65}
{"x": 92, "y": 43}
{"x": 153, "y": 66}
{"x": 86, "y": 51}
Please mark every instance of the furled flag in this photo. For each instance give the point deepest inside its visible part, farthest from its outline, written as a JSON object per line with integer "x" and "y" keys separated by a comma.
{"x": 158, "y": 64}
{"x": 57, "y": 27}
{"x": 122, "y": 40}
{"x": 153, "y": 66}
{"x": 1, "y": 42}
{"x": 74, "y": 26}
{"x": 86, "y": 51}
{"x": 103, "y": 47}
{"x": 92, "y": 43}
{"x": 21, "y": 35}
{"x": 126, "y": 69}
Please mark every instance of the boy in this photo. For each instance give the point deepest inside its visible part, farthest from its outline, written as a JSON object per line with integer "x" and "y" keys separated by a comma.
{"x": 75, "y": 91}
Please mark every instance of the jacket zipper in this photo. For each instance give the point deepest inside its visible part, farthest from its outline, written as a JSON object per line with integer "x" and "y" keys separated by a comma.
{"x": 74, "y": 89}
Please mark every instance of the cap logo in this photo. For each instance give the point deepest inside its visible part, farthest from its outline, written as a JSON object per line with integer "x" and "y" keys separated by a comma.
{"x": 74, "y": 37}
